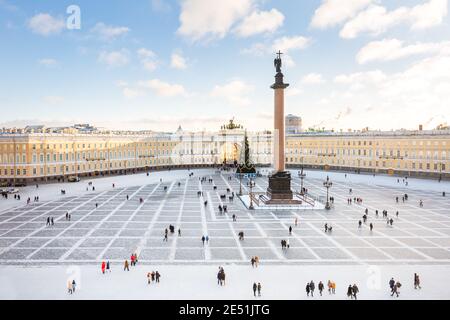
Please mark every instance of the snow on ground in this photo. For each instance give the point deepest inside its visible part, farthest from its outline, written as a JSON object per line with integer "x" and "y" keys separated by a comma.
{"x": 35, "y": 259}
{"x": 199, "y": 282}
{"x": 51, "y": 191}
{"x": 379, "y": 180}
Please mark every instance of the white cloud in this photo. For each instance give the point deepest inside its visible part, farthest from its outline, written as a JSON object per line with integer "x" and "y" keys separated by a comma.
{"x": 177, "y": 61}
{"x": 286, "y": 44}
{"x": 334, "y": 12}
{"x": 48, "y": 62}
{"x": 114, "y": 58}
{"x": 206, "y": 19}
{"x": 53, "y": 100}
{"x": 148, "y": 59}
{"x": 393, "y": 49}
{"x": 377, "y": 19}
{"x": 235, "y": 92}
{"x": 44, "y": 24}
{"x": 131, "y": 93}
{"x": 312, "y": 78}
{"x": 257, "y": 49}
{"x": 373, "y": 77}
{"x": 109, "y": 32}
{"x": 260, "y": 22}
{"x": 144, "y": 53}
{"x": 415, "y": 94}
{"x": 164, "y": 89}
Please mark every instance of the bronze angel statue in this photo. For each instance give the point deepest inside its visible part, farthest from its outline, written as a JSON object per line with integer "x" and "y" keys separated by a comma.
{"x": 277, "y": 62}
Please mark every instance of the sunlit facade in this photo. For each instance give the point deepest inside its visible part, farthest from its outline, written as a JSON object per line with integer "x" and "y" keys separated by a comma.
{"x": 27, "y": 157}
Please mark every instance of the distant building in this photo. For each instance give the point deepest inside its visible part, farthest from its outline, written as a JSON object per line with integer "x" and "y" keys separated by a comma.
{"x": 293, "y": 124}
{"x": 41, "y": 153}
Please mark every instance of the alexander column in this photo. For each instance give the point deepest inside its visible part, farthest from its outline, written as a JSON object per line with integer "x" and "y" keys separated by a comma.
{"x": 279, "y": 190}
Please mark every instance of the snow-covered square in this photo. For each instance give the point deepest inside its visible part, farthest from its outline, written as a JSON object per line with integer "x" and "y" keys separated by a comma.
{"x": 105, "y": 226}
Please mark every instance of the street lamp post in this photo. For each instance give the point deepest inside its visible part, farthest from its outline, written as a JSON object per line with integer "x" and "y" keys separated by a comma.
{"x": 251, "y": 195}
{"x": 302, "y": 176}
{"x": 240, "y": 183}
{"x": 327, "y": 184}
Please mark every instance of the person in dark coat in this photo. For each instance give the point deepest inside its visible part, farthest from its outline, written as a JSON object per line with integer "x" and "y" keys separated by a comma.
{"x": 391, "y": 284}
{"x": 320, "y": 286}
{"x": 355, "y": 290}
{"x": 312, "y": 287}
{"x": 308, "y": 289}
{"x": 255, "y": 287}
{"x": 350, "y": 291}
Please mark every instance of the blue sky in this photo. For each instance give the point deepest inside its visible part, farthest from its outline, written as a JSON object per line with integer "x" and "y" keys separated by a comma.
{"x": 155, "y": 64}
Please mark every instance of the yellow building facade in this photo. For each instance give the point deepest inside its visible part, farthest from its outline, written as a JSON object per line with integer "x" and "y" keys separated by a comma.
{"x": 33, "y": 157}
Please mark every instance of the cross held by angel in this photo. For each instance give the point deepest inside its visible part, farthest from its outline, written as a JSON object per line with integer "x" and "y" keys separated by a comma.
{"x": 277, "y": 62}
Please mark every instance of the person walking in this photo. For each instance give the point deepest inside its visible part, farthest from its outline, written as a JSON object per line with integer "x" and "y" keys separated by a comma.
{"x": 108, "y": 267}
{"x": 355, "y": 290}
{"x": 308, "y": 289}
{"x": 126, "y": 266}
{"x": 103, "y": 267}
{"x": 312, "y": 287}
{"x": 259, "y": 289}
{"x": 157, "y": 276}
{"x": 74, "y": 285}
{"x": 416, "y": 281}
{"x": 203, "y": 240}
{"x": 396, "y": 289}
{"x": 69, "y": 287}
{"x": 350, "y": 291}
{"x": 391, "y": 284}
{"x": 320, "y": 286}
{"x": 255, "y": 287}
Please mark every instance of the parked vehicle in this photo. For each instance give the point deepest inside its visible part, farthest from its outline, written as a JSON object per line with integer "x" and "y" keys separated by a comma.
{"x": 73, "y": 179}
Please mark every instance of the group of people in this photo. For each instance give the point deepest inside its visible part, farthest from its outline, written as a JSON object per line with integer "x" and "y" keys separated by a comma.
{"x": 153, "y": 276}
{"x": 354, "y": 200}
{"x": 395, "y": 287}
{"x": 352, "y": 291}
{"x": 285, "y": 244}
{"x": 223, "y": 209}
{"x": 50, "y": 221}
{"x": 68, "y": 216}
{"x": 257, "y": 289}
{"x": 205, "y": 239}
{"x": 172, "y": 231}
{"x": 106, "y": 267}
{"x": 35, "y": 199}
{"x": 254, "y": 261}
{"x": 328, "y": 228}
{"x": 133, "y": 259}
{"x": 71, "y": 286}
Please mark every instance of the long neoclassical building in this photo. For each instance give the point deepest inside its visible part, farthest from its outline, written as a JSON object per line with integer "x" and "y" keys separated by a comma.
{"x": 41, "y": 154}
